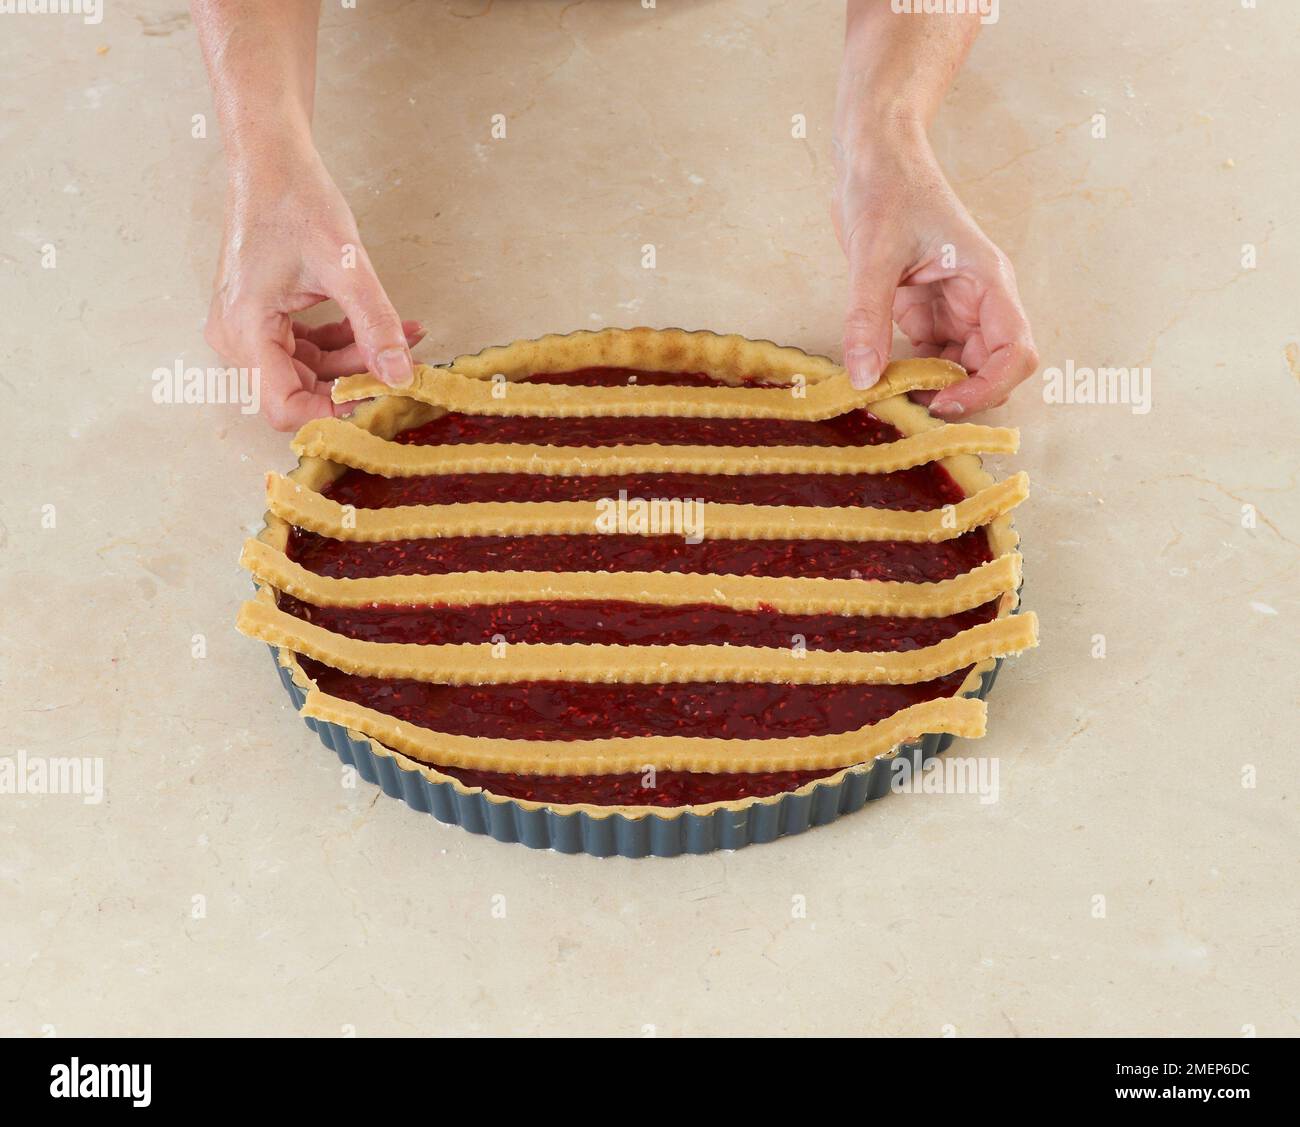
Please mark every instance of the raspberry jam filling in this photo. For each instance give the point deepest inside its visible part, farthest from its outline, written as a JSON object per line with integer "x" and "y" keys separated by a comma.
{"x": 636, "y": 624}
{"x": 575, "y": 710}
{"x": 829, "y": 559}
{"x": 916, "y": 488}
{"x": 671, "y": 788}
{"x": 620, "y": 377}
{"x": 853, "y": 428}
{"x": 567, "y": 711}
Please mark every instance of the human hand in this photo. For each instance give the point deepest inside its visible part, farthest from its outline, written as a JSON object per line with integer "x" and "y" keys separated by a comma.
{"x": 918, "y": 258}
{"x": 285, "y": 249}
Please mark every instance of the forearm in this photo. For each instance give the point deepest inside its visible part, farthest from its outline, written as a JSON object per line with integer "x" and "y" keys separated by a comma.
{"x": 261, "y": 62}
{"x": 896, "y": 69}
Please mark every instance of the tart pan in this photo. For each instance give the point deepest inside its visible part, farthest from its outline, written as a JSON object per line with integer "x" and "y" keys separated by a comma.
{"x": 576, "y": 830}
{"x": 642, "y": 832}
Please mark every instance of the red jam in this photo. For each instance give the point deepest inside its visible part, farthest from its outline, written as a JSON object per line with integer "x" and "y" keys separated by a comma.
{"x": 576, "y": 710}
{"x": 830, "y": 559}
{"x": 853, "y": 428}
{"x": 635, "y": 624}
{"x": 558, "y": 710}
{"x": 917, "y": 488}
{"x": 671, "y": 788}
{"x": 620, "y": 377}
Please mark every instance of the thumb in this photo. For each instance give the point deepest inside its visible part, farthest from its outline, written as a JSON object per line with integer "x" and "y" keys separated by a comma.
{"x": 869, "y": 323}
{"x": 376, "y": 326}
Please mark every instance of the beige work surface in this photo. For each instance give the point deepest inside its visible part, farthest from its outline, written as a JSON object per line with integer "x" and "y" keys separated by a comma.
{"x": 1128, "y": 880}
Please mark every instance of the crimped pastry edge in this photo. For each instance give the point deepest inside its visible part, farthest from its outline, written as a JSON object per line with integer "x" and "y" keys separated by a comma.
{"x": 390, "y": 415}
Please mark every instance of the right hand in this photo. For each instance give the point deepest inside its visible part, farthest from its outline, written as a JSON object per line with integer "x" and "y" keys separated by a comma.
{"x": 283, "y": 251}
{"x": 898, "y": 221}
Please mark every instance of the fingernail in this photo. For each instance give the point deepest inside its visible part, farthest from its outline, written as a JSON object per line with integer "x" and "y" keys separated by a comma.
{"x": 864, "y": 367}
{"x": 393, "y": 366}
{"x": 950, "y": 407}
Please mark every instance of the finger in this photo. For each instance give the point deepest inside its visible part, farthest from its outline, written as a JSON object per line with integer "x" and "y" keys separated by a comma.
{"x": 935, "y": 322}
{"x": 376, "y": 326}
{"x": 869, "y": 323}
{"x": 338, "y": 334}
{"x": 307, "y": 378}
{"x": 914, "y": 313}
{"x": 924, "y": 349}
{"x": 974, "y": 352}
{"x": 288, "y": 399}
{"x": 342, "y": 410}
{"x": 1011, "y": 358}
{"x": 346, "y": 361}
{"x": 1006, "y": 368}
{"x": 330, "y": 365}
{"x": 306, "y": 353}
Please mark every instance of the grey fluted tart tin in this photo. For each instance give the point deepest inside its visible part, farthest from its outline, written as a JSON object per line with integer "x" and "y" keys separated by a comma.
{"x": 650, "y": 835}
{"x": 611, "y": 835}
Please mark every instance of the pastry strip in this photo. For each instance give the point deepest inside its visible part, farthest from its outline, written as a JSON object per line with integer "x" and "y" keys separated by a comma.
{"x": 741, "y": 592}
{"x": 488, "y": 664}
{"x": 441, "y": 387}
{"x": 731, "y": 358}
{"x": 349, "y": 445}
{"x": 308, "y": 509}
{"x": 960, "y": 716}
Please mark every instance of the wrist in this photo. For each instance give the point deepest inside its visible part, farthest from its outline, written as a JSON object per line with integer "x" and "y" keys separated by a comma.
{"x": 264, "y": 160}
{"x": 881, "y": 137}
{"x": 874, "y": 112}
{"x": 255, "y": 140}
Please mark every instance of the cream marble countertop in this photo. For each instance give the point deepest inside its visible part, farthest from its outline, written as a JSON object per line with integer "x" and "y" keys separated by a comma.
{"x": 325, "y": 908}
